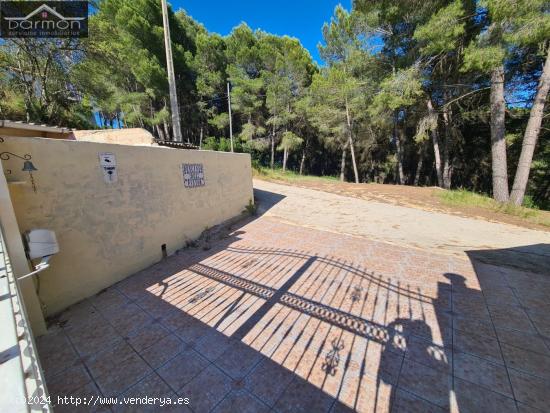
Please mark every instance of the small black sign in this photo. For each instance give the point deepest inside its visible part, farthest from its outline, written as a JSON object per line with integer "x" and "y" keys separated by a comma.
{"x": 43, "y": 19}
{"x": 193, "y": 175}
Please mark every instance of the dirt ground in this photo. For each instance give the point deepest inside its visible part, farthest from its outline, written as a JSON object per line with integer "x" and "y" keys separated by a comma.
{"x": 414, "y": 197}
{"x": 436, "y": 231}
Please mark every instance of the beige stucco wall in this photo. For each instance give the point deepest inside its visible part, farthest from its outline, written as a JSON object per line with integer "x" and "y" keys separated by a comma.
{"x": 107, "y": 232}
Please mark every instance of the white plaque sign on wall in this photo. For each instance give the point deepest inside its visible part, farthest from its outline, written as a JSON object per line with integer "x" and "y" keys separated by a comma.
{"x": 193, "y": 175}
{"x": 107, "y": 163}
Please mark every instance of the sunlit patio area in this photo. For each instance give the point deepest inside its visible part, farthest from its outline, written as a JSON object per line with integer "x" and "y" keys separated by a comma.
{"x": 277, "y": 317}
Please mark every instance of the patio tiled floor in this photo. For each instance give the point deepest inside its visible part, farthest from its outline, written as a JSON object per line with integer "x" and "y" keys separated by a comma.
{"x": 285, "y": 318}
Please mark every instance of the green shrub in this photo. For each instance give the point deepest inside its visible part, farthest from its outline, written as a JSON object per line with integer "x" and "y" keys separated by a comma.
{"x": 466, "y": 198}
{"x": 251, "y": 208}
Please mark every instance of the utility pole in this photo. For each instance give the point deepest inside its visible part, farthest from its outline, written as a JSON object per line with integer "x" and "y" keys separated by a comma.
{"x": 230, "y": 119}
{"x": 174, "y": 109}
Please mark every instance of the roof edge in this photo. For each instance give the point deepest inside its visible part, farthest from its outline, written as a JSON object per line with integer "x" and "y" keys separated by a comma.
{"x": 29, "y": 126}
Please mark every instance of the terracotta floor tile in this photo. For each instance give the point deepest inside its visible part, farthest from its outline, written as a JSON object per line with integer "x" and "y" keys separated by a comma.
{"x": 511, "y": 317}
{"x": 437, "y": 327}
{"x": 405, "y": 402}
{"x": 541, "y": 322}
{"x": 238, "y": 359}
{"x": 527, "y": 284}
{"x": 90, "y": 339}
{"x": 56, "y": 352}
{"x": 147, "y": 336}
{"x": 471, "y": 306}
{"x": 155, "y": 306}
{"x": 126, "y": 318}
{"x": 370, "y": 395}
{"x": 242, "y": 402}
{"x": 182, "y": 369}
{"x": 472, "y": 398}
{"x": 132, "y": 287}
{"x": 394, "y": 312}
{"x": 496, "y": 296}
{"x": 531, "y": 342}
{"x": 107, "y": 360}
{"x": 482, "y": 346}
{"x": 162, "y": 351}
{"x": 53, "y": 340}
{"x": 121, "y": 378}
{"x": 150, "y": 386}
{"x": 479, "y": 371}
{"x": 530, "y": 390}
{"x": 523, "y": 408}
{"x": 63, "y": 384}
{"x": 536, "y": 303}
{"x": 348, "y": 394}
{"x": 108, "y": 298}
{"x": 425, "y": 382}
{"x": 268, "y": 381}
{"x": 89, "y": 392}
{"x": 212, "y": 344}
{"x": 175, "y": 319}
{"x": 300, "y": 360}
{"x": 430, "y": 355}
{"x": 381, "y": 362}
{"x": 78, "y": 315}
{"x": 331, "y": 367}
{"x": 302, "y": 397}
{"x": 467, "y": 325}
{"x": 192, "y": 331}
{"x": 207, "y": 389}
{"x": 527, "y": 361}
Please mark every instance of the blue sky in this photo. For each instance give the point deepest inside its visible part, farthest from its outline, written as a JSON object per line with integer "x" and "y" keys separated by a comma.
{"x": 297, "y": 18}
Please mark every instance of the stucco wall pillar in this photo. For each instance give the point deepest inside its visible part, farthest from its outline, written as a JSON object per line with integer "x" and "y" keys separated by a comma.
{"x": 19, "y": 263}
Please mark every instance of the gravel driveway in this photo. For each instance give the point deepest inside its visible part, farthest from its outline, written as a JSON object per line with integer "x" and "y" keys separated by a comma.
{"x": 447, "y": 234}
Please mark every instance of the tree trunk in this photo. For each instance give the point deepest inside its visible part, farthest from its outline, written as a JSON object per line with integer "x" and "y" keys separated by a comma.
{"x": 447, "y": 170}
{"x": 200, "y": 137}
{"x": 421, "y": 154}
{"x": 166, "y": 131}
{"x": 343, "y": 162}
{"x": 160, "y": 134}
{"x": 437, "y": 154}
{"x": 531, "y": 135}
{"x": 273, "y": 148}
{"x": 498, "y": 142}
{"x": 174, "y": 107}
{"x": 400, "y": 174}
{"x": 303, "y": 161}
{"x": 138, "y": 115}
{"x": 350, "y": 134}
{"x": 285, "y": 157}
{"x": 354, "y": 163}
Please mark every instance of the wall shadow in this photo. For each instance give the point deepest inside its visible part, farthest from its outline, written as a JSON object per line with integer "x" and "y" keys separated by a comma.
{"x": 533, "y": 258}
{"x": 327, "y": 324}
{"x": 307, "y": 331}
{"x": 266, "y": 200}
